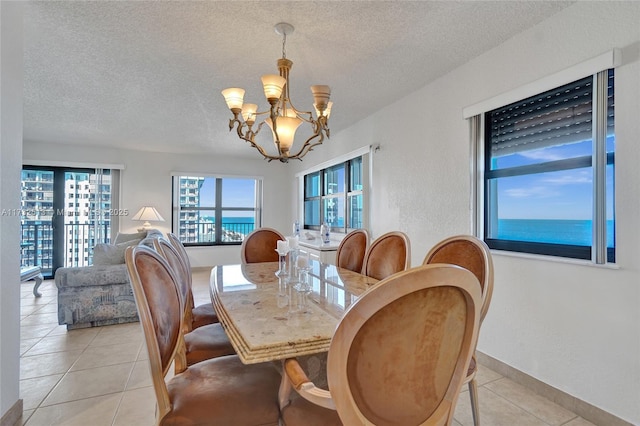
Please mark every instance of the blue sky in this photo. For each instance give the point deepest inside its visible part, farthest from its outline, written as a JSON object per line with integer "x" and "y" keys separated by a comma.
{"x": 235, "y": 193}
{"x": 555, "y": 195}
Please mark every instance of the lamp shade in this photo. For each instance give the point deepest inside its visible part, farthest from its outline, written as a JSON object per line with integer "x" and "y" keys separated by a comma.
{"x": 286, "y": 128}
{"x": 234, "y": 97}
{"x": 249, "y": 113}
{"x": 273, "y": 85}
{"x": 147, "y": 214}
{"x": 321, "y": 94}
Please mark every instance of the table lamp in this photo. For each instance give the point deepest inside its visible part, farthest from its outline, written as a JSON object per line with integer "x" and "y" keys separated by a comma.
{"x": 146, "y": 214}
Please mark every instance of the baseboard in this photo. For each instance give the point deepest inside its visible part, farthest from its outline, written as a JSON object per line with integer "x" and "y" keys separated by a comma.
{"x": 585, "y": 410}
{"x": 13, "y": 416}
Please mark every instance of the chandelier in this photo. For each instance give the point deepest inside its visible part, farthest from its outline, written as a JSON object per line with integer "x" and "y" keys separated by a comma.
{"x": 282, "y": 117}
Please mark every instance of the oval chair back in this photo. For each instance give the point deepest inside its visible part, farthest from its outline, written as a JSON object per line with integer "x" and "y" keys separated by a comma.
{"x": 160, "y": 310}
{"x": 415, "y": 332}
{"x": 352, "y": 249}
{"x": 260, "y": 246}
{"x": 388, "y": 254}
{"x": 474, "y": 255}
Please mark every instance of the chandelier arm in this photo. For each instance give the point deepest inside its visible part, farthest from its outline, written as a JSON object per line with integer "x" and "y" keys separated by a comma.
{"x": 249, "y": 136}
{"x": 309, "y": 145}
{"x": 274, "y": 121}
{"x": 299, "y": 112}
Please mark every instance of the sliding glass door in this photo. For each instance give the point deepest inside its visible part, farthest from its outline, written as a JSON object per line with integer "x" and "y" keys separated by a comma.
{"x": 64, "y": 213}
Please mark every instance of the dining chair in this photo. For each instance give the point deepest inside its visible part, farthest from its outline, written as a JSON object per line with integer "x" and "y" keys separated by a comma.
{"x": 399, "y": 355}
{"x": 388, "y": 254}
{"x": 472, "y": 254}
{"x": 351, "y": 251}
{"x": 260, "y": 246}
{"x": 216, "y": 391}
{"x": 205, "y": 342}
{"x": 202, "y": 314}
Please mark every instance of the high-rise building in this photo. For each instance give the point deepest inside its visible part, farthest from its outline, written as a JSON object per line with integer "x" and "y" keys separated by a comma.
{"x": 190, "y": 219}
{"x": 86, "y": 217}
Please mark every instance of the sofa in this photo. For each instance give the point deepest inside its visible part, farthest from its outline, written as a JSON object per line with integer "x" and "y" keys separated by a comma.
{"x": 100, "y": 294}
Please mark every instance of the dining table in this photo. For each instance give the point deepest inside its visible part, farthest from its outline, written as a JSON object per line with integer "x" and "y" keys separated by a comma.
{"x": 270, "y": 318}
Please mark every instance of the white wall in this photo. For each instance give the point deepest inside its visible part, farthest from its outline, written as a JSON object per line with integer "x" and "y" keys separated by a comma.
{"x": 146, "y": 180}
{"x": 572, "y": 326}
{"x": 10, "y": 154}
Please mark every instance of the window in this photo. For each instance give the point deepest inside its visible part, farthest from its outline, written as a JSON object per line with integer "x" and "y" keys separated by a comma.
{"x": 51, "y": 221}
{"x": 211, "y": 210}
{"x": 549, "y": 172}
{"x": 335, "y": 195}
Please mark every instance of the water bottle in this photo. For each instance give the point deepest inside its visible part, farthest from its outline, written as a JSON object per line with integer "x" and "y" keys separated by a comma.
{"x": 325, "y": 231}
{"x": 296, "y": 228}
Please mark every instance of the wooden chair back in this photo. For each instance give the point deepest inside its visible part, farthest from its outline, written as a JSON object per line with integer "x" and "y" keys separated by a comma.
{"x": 160, "y": 310}
{"x": 260, "y": 246}
{"x": 401, "y": 352}
{"x": 173, "y": 258}
{"x": 179, "y": 247}
{"x": 388, "y": 254}
{"x": 352, "y": 249}
{"x": 472, "y": 254}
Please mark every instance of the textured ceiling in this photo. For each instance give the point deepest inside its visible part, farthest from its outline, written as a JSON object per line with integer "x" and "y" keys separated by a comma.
{"x": 148, "y": 75}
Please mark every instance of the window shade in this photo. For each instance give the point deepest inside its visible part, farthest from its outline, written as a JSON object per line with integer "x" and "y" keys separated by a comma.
{"x": 556, "y": 117}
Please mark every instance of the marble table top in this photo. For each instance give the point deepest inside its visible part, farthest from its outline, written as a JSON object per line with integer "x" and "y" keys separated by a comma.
{"x": 261, "y": 315}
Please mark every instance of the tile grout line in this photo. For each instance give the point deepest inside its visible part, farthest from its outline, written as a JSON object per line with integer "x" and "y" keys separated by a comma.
{"x": 506, "y": 398}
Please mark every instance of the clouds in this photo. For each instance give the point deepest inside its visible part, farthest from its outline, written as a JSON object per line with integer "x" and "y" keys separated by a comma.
{"x": 531, "y": 192}
{"x": 549, "y": 185}
{"x": 565, "y": 194}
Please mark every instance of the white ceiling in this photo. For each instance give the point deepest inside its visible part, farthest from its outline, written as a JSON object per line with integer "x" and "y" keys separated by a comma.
{"x": 148, "y": 75}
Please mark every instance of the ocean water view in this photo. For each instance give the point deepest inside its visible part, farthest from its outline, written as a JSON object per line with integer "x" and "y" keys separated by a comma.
{"x": 234, "y": 220}
{"x": 557, "y": 231}
{"x": 239, "y": 225}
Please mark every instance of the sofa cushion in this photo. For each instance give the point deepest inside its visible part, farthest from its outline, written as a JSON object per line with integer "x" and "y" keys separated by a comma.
{"x": 111, "y": 254}
{"x": 121, "y": 237}
{"x": 88, "y": 276}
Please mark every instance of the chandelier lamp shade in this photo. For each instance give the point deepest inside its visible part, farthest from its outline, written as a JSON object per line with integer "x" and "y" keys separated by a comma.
{"x": 282, "y": 117}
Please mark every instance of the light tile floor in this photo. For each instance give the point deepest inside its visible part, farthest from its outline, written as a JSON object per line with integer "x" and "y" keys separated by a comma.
{"x": 99, "y": 376}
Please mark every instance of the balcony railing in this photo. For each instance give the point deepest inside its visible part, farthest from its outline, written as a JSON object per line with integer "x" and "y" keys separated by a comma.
{"x": 205, "y": 232}
{"x": 79, "y": 239}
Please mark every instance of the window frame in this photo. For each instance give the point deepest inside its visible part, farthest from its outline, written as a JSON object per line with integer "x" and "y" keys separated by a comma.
{"x": 218, "y": 208}
{"x": 597, "y": 252}
{"x": 345, "y": 196}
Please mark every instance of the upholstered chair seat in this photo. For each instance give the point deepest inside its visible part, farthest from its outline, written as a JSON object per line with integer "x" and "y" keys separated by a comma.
{"x": 202, "y": 315}
{"x": 302, "y": 412}
{"x": 208, "y": 341}
{"x": 223, "y": 391}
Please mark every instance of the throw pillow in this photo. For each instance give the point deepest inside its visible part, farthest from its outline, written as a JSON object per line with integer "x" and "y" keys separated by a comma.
{"x": 121, "y": 238}
{"x": 111, "y": 254}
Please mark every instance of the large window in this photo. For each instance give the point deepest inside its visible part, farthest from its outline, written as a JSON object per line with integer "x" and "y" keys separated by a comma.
{"x": 335, "y": 195}
{"x": 549, "y": 172}
{"x": 209, "y": 210}
{"x": 64, "y": 213}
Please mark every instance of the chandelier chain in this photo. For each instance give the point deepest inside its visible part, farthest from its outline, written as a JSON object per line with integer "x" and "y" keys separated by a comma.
{"x": 284, "y": 47}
